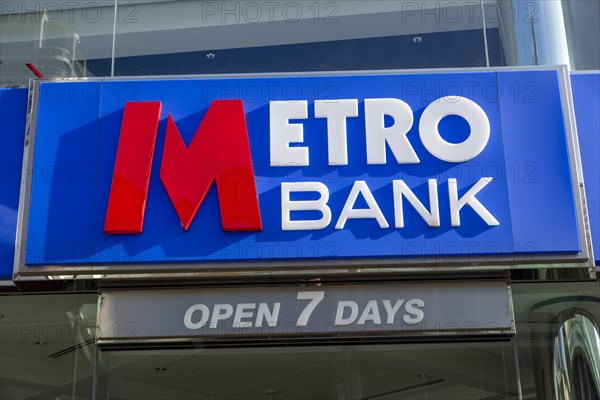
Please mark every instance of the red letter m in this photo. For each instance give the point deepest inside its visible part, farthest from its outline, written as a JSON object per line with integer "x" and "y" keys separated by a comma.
{"x": 219, "y": 152}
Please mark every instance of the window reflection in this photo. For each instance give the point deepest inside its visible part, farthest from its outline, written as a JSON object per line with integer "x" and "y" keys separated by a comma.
{"x": 432, "y": 371}
{"x": 75, "y": 39}
{"x": 241, "y": 37}
{"x": 57, "y": 38}
{"x": 583, "y": 31}
{"x": 47, "y": 348}
{"x": 576, "y": 365}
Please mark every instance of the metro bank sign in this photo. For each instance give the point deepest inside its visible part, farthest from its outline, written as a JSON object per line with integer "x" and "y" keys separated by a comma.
{"x": 371, "y": 169}
{"x": 222, "y": 142}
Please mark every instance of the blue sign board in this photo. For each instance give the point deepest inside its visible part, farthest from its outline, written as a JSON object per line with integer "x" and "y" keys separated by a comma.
{"x": 416, "y": 168}
{"x": 13, "y": 116}
{"x": 586, "y": 96}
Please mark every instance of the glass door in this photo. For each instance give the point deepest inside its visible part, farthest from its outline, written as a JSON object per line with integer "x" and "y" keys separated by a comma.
{"x": 453, "y": 370}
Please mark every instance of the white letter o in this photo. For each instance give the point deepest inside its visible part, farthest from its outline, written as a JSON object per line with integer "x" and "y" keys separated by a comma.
{"x": 187, "y": 319}
{"x": 454, "y": 152}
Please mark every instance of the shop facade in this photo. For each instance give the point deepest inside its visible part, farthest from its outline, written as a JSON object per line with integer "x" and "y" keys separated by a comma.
{"x": 278, "y": 200}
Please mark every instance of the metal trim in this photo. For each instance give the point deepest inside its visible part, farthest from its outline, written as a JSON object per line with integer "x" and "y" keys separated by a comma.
{"x": 25, "y": 190}
{"x": 308, "y": 338}
{"x": 576, "y": 165}
{"x": 175, "y": 343}
{"x": 585, "y": 72}
{"x": 292, "y": 74}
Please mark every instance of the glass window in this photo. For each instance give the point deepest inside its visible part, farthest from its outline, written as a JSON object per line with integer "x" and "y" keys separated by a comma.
{"x": 557, "y": 350}
{"x": 582, "y": 20}
{"x": 171, "y": 37}
{"x": 188, "y": 37}
{"x": 432, "y": 371}
{"x": 47, "y": 346}
{"x": 531, "y": 32}
{"x": 58, "y": 39}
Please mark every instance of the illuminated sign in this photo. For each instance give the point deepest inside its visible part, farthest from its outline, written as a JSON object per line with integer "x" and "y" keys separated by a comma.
{"x": 438, "y": 168}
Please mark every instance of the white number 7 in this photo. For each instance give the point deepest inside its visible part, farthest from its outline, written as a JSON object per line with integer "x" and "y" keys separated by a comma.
{"x": 315, "y": 298}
